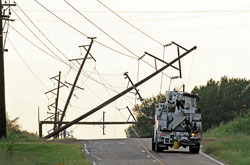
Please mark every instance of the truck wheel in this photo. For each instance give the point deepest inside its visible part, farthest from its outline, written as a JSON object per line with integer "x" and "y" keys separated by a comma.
{"x": 153, "y": 146}
{"x": 157, "y": 148}
{"x": 194, "y": 149}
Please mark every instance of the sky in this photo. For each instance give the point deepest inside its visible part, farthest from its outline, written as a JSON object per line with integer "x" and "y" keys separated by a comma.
{"x": 219, "y": 29}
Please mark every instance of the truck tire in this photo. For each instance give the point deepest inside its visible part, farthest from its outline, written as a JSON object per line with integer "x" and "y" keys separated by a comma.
{"x": 158, "y": 148}
{"x": 194, "y": 149}
{"x": 153, "y": 144}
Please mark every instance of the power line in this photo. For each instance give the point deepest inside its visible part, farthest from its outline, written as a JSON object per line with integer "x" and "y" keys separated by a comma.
{"x": 80, "y": 31}
{"x": 100, "y": 28}
{"x": 42, "y": 33}
{"x": 136, "y": 57}
{"x": 26, "y": 64}
{"x": 108, "y": 34}
{"x": 38, "y": 37}
{"x": 150, "y": 11}
{"x": 130, "y": 23}
{"x": 35, "y": 44}
{"x": 163, "y": 57}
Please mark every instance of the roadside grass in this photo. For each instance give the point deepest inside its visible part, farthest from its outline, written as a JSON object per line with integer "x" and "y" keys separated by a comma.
{"x": 231, "y": 150}
{"x": 32, "y": 153}
{"x": 25, "y": 148}
{"x": 229, "y": 142}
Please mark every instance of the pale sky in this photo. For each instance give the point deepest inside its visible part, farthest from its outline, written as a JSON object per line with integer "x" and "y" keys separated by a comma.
{"x": 219, "y": 29}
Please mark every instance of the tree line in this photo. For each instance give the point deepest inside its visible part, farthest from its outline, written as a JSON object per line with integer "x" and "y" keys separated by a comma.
{"x": 220, "y": 101}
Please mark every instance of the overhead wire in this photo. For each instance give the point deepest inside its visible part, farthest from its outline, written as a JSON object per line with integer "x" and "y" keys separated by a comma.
{"x": 27, "y": 65}
{"x": 163, "y": 57}
{"x": 151, "y": 11}
{"x": 42, "y": 32}
{"x": 99, "y": 28}
{"x": 35, "y": 45}
{"x": 86, "y": 75}
{"x": 108, "y": 34}
{"x": 112, "y": 11}
{"x": 190, "y": 71}
{"x": 81, "y": 32}
{"x": 37, "y": 37}
{"x": 136, "y": 57}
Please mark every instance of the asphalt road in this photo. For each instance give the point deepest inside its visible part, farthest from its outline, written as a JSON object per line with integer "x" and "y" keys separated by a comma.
{"x": 138, "y": 152}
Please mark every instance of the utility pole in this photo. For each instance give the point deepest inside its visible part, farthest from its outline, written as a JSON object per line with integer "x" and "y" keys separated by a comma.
{"x": 76, "y": 79}
{"x": 55, "y": 116}
{"x": 103, "y": 120}
{"x": 3, "y": 129}
{"x": 57, "y": 98}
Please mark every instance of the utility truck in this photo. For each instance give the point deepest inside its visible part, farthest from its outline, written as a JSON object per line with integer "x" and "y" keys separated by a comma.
{"x": 177, "y": 123}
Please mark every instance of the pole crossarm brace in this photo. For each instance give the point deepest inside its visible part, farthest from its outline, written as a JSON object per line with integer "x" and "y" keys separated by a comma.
{"x": 146, "y": 53}
{"x": 118, "y": 95}
{"x": 75, "y": 82}
{"x": 131, "y": 114}
{"x": 53, "y": 89}
{"x": 137, "y": 91}
{"x": 72, "y": 85}
{"x": 179, "y": 46}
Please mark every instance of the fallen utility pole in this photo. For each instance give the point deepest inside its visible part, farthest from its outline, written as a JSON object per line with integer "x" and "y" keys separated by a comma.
{"x": 98, "y": 123}
{"x": 75, "y": 82}
{"x": 118, "y": 95}
{"x": 91, "y": 123}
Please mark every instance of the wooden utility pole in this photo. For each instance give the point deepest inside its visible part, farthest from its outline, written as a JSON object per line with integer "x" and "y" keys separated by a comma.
{"x": 57, "y": 98}
{"x": 103, "y": 120}
{"x": 3, "y": 130}
{"x": 76, "y": 79}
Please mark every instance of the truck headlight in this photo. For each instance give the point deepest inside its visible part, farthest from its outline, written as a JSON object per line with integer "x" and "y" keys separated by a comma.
{"x": 193, "y": 134}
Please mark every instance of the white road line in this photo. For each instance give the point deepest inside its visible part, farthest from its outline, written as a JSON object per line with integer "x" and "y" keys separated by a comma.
{"x": 209, "y": 157}
{"x": 142, "y": 150}
{"x": 96, "y": 157}
{"x": 93, "y": 163}
{"x": 148, "y": 156}
{"x": 86, "y": 149}
{"x": 154, "y": 160}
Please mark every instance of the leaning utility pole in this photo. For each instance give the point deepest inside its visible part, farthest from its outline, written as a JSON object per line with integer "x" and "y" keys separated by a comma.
{"x": 3, "y": 130}
{"x": 76, "y": 79}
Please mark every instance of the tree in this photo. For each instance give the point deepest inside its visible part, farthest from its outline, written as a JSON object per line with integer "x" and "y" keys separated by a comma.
{"x": 144, "y": 112}
{"x": 222, "y": 101}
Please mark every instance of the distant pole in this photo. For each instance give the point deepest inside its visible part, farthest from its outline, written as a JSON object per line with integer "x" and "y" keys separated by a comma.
{"x": 56, "y": 106}
{"x": 3, "y": 130}
{"x": 103, "y": 126}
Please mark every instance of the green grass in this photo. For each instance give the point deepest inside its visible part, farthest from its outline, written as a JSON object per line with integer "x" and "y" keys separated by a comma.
{"x": 230, "y": 150}
{"x": 230, "y": 142}
{"x": 41, "y": 153}
{"x": 237, "y": 127}
{"x": 25, "y": 148}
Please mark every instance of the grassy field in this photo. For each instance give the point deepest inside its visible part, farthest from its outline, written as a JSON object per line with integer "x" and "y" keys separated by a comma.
{"x": 42, "y": 153}
{"x": 230, "y": 142}
{"x": 25, "y": 148}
